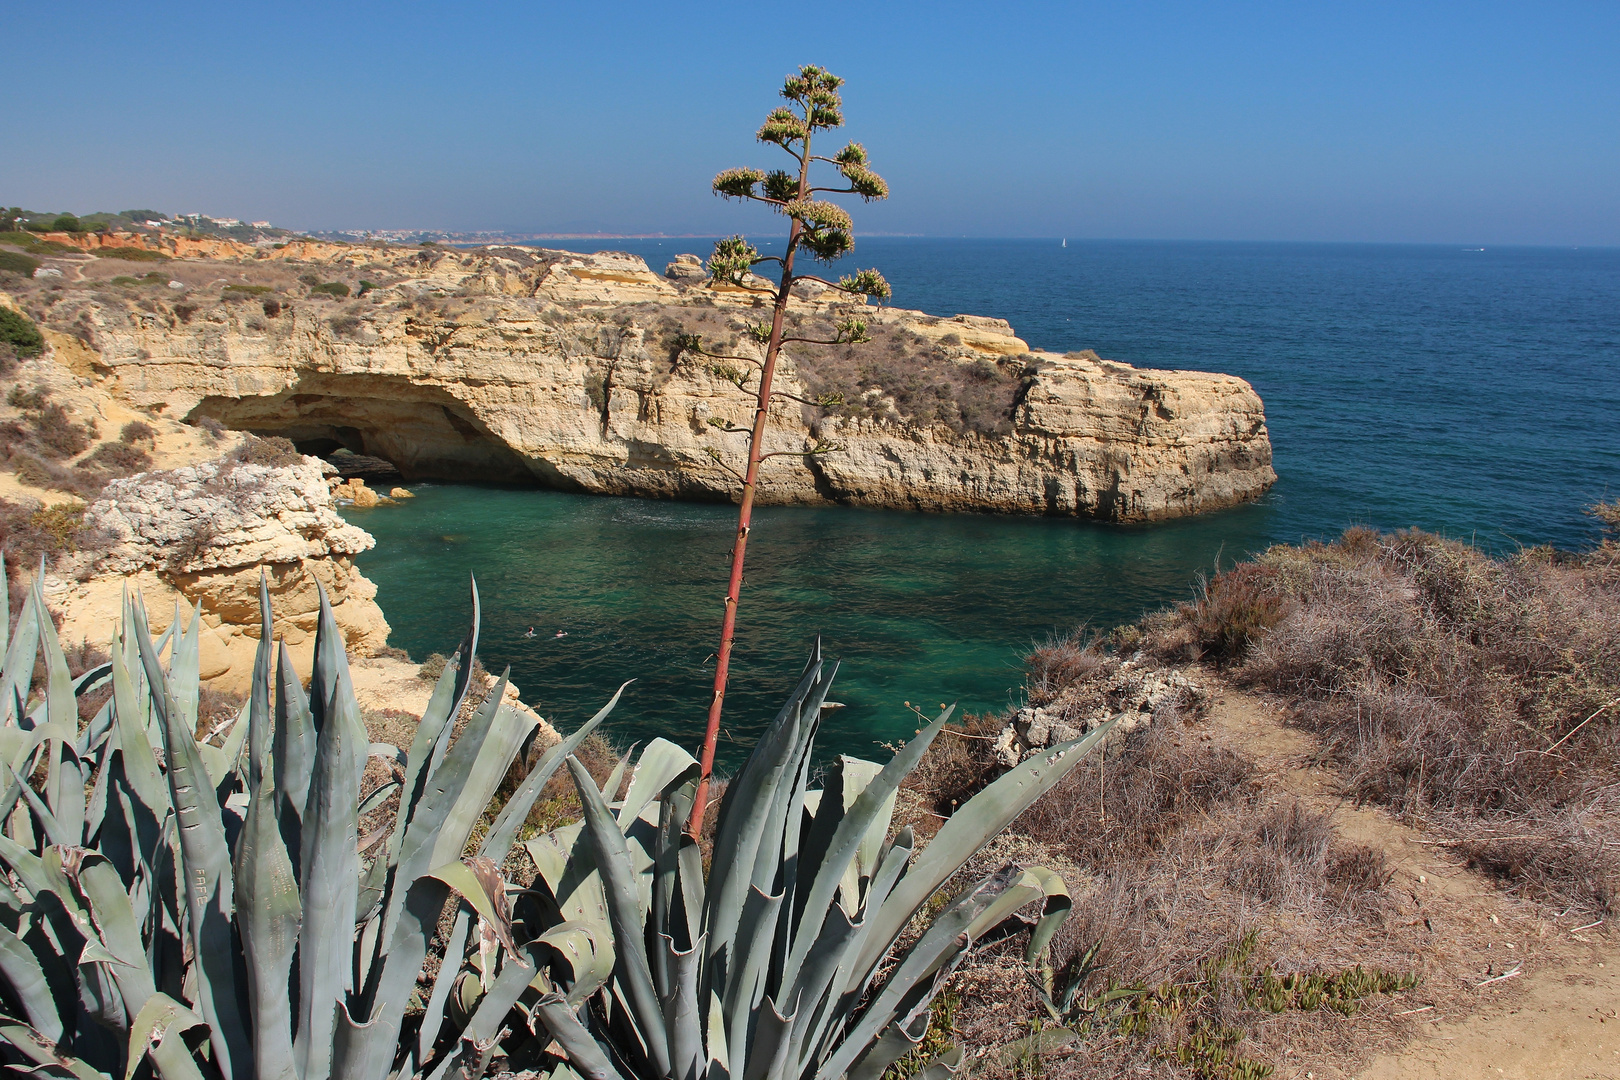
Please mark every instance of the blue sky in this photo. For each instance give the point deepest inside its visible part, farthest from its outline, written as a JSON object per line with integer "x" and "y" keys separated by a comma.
{"x": 1477, "y": 122}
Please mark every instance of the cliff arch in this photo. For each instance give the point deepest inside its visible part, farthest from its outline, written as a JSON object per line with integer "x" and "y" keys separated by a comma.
{"x": 426, "y": 432}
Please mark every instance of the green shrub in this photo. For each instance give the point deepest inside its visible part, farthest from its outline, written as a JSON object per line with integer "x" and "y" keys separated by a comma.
{"x": 19, "y": 331}
{"x": 330, "y": 288}
{"x": 66, "y": 223}
{"x": 246, "y": 290}
{"x": 131, "y": 254}
{"x": 16, "y": 262}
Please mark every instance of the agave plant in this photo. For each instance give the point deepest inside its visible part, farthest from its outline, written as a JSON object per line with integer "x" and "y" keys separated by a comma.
{"x": 211, "y": 908}
{"x": 777, "y": 963}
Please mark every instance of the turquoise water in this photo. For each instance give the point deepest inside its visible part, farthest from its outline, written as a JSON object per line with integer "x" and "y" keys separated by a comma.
{"x": 926, "y": 609}
{"x": 1475, "y": 393}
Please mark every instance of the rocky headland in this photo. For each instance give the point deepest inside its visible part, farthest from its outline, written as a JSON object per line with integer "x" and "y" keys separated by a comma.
{"x": 546, "y": 367}
{"x": 520, "y": 366}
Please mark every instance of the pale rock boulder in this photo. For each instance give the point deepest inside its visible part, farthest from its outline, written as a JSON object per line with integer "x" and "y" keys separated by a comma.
{"x": 199, "y": 537}
{"x": 686, "y": 268}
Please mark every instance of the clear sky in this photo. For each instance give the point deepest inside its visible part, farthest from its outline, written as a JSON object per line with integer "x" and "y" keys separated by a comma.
{"x": 1466, "y": 122}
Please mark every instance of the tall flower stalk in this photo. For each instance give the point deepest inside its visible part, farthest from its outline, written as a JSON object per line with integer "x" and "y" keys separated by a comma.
{"x": 823, "y": 230}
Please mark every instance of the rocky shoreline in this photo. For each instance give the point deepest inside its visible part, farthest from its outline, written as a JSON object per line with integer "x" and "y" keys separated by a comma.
{"x": 550, "y": 368}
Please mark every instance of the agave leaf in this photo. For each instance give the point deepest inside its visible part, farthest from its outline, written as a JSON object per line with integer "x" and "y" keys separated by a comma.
{"x": 588, "y": 960}
{"x": 816, "y": 977}
{"x": 292, "y": 753}
{"x": 583, "y": 1051}
{"x": 498, "y": 842}
{"x": 767, "y": 1060}
{"x": 894, "y": 1044}
{"x": 150, "y": 1030}
{"x": 455, "y": 950}
{"x": 809, "y": 1040}
{"x": 64, "y": 781}
{"x": 660, "y": 765}
{"x": 785, "y": 810}
{"x": 736, "y": 848}
{"x": 18, "y": 678}
{"x": 456, "y": 794}
{"x": 26, "y": 979}
{"x": 969, "y": 829}
{"x": 479, "y": 1037}
{"x": 365, "y": 1049}
{"x": 222, "y": 762}
{"x": 719, "y": 1055}
{"x": 260, "y": 691}
{"x": 120, "y": 932}
{"x": 43, "y": 1052}
{"x": 140, "y": 767}
{"x": 268, "y": 916}
{"x": 681, "y": 1018}
{"x": 330, "y": 880}
{"x": 475, "y": 890}
{"x": 942, "y": 1065}
{"x": 53, "y": 829}
{"x": 610, "y": 787}
{"x": 613, "y": 862}
{"x": 754, "y": 936}
{"x": 205, "y": 861}
{"x": 423, "y": 757}
{"x": 849, "y": 834}
{"x": 912, "y": 983}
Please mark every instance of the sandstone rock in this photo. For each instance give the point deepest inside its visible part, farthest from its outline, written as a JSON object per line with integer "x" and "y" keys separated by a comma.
{"x": 200, "y": 536}
{"x": 686, "y": 268}
{"x": 549, "y": 379}
{"x": 1130, "y": 694}
{"x": 401, "y": 493}
{"x": 221, "y": 515}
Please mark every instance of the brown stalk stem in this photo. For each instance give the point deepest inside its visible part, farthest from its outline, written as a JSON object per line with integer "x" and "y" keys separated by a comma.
{"x": 756, "y": 443}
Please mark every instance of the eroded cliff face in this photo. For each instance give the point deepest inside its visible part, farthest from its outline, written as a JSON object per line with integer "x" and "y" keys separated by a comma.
{"x": 526, "y": 366}
{"x": 201, "y": 535}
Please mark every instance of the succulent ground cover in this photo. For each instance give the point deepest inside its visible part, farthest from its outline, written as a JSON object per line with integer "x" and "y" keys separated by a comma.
{"x": 260, "y": 897}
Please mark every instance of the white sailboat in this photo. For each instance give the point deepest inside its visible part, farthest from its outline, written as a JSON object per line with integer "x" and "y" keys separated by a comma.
{"x": 1065, "y": 241}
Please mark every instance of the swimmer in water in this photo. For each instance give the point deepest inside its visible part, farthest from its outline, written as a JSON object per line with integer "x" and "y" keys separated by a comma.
{"x": 562, "y": 633}
{"x": 530, "y": 633}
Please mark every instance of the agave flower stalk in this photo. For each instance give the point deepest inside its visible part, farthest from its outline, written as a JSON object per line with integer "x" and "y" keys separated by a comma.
{"x": 824, "y": 230}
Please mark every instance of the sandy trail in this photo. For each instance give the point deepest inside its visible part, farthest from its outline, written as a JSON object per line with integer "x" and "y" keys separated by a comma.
{"x": 1557, "y": 1018}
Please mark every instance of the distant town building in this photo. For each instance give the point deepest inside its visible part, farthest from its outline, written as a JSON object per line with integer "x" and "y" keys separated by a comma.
{"x": 261, "y": 225}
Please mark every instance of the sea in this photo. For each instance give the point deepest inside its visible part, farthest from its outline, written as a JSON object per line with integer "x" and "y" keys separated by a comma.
{"x": 1473, "y": 392}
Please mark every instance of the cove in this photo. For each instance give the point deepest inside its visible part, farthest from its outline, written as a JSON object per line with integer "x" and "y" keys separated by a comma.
{"x": 919, "y": 608}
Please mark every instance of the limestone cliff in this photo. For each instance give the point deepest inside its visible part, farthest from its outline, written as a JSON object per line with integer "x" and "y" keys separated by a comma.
{"x": 537, "y": 366}
{"x": 201, "y": 534}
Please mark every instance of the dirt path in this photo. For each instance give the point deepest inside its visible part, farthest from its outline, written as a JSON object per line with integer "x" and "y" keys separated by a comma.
{"x": 1512, "y": 994}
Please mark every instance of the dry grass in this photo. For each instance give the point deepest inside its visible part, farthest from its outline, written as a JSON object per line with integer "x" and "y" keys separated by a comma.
{"x": 1195, "y": 890}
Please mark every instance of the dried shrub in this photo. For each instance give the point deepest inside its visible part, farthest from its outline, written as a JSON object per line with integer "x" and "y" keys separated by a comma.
{"x": 29, "y": 532}
{"x": 120, "y": 458}
{"x": 210, "y": 427}
{"x": 1121, "y": 807}
{"x": 1059, "y": 662}
{"x": 1474, "y": 692}
{"x": 432, "y": 667}
{"x": 138, "y": 431}
{"x": 274, "y": 451}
